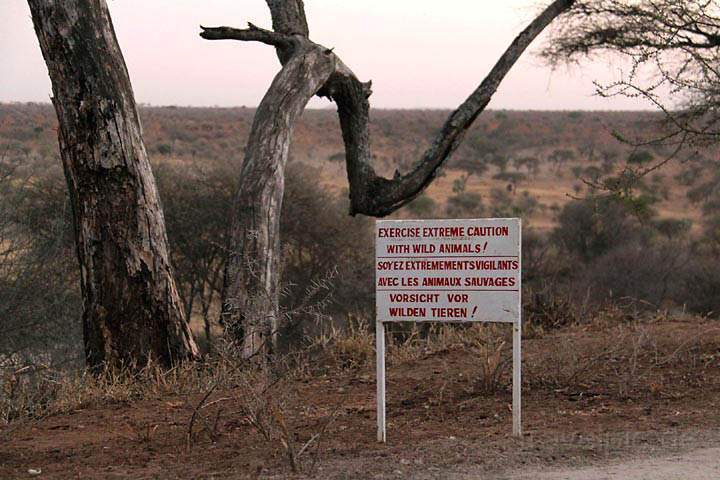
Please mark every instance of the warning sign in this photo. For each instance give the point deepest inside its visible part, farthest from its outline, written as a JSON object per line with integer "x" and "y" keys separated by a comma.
{"x": 448, "y": 270}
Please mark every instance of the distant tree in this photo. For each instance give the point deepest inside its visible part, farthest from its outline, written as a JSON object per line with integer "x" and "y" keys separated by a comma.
{"x": 591, "y": 227}
{"x": 500, "y": 161}
{"x": 640, "y": 157}
{"x": 132, "y": 313}
{"x": 320, "y": 241}
{"x": 588, "y": 149}
{"x": 502, "y": 204}
{"x": 423, "y": 206}
{"x": 460, "y": 183}
{"x": 531, "y": 164}
{"x": 674, "y": 47}
{"x": 164, "y": 149}
{"x": 560, "y": 157}
{"x": 513, "y": 179}
{"x": 251, "y": 296}
{"x": 463, "y": 203}
{"x": 39, "y": 288}
{"x": 593, "y": 173}
{"x": 609, "y": 158}
{"x": 196, "y": 205}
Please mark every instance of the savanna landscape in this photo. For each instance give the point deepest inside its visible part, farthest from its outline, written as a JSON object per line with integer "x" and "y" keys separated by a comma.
{"x": 189, "y": 292}
{"x": 620, "y": 342}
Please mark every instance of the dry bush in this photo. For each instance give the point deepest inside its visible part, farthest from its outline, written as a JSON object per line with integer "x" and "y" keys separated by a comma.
{"x": 262, "y": 395}
{"x": 570, "y": 364}
{"x": 352, "y": 347}
{"x": 549, "y": 307}
{"x": 259, "y": 395}
{"x": 624, "y": 358}
{"x": 491, "y": 344}
{"x": 264, "y": 402}
{"x": 31, "y": 393}
{"x": 39, "y": 298}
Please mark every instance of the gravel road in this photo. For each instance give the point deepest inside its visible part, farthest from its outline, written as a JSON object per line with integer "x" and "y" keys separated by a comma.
{"x": 703, "y": 464}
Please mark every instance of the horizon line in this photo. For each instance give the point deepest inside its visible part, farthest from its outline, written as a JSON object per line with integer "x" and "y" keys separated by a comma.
{"x": 330, "y": 108}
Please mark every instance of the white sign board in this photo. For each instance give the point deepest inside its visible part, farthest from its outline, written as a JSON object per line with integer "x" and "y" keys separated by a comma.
{"x": 447, "y": 271}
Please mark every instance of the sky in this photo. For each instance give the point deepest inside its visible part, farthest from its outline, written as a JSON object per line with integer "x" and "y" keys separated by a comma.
{"x": 418, "y": 53}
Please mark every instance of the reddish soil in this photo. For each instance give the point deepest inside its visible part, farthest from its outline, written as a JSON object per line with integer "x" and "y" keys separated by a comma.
{"x": 439, "y": 424}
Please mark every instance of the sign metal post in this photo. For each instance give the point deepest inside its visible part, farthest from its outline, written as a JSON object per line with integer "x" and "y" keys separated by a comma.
{"x": 380, "y": 353}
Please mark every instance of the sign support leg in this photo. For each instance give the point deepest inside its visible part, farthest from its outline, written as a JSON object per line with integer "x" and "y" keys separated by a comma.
{"x": 380, "y": 362}
{"x": 517, "y": 380}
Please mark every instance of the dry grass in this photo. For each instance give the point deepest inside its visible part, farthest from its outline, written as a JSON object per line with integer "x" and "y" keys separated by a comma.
{"x": 626, "y": 345}
{"x": 296, "y": 411}
{"x": 32, "y": 393}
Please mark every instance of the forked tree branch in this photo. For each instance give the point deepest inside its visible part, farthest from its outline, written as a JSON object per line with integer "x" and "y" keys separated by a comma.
{"x": 310, "y": 69}
{"x": 251, "y": 34}
{"x": 371, "y": 194}
{"x": 376, "y": 196}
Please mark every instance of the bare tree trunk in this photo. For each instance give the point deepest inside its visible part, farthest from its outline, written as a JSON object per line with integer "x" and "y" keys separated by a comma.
{"x": 250, "y": 297}
{"x": 250, "y": 289}
{"x": 132, "y": 313}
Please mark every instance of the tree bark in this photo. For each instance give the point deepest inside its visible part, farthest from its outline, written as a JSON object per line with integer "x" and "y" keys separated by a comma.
{"x": 250, "y": 292}
{"x": 132, "y": 313}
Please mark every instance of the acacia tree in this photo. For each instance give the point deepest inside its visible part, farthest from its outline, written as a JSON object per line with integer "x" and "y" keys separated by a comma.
{"x": 250, "y": 294}
{"x": 132, "y": 313}
{"x": 673, "y": 48}
{"x": 674, "y": 51}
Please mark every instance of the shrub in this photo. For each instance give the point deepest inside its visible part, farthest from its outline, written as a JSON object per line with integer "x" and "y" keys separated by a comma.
{"x": 39, "y": 282}
{"x": 591, "y": 227}
{"x": 640, "y": 157}
{"x": 164, "y": 149}
{"x": 465, "y": 204}
{"x": 423, "y": 206}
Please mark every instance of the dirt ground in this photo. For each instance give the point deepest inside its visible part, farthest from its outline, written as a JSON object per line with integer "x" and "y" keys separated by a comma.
{"x": 702, "y": 464}
{"x": 632, "y": 408}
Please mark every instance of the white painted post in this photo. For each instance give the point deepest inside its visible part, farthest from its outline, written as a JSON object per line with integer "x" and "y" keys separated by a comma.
{"x": 517, "y": 353}
{"x": 517, "y": 380}
{"x": 380, "y": 361}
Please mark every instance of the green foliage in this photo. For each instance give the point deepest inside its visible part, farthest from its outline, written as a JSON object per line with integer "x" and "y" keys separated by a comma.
{"x": 673, "y": 228}
{"x": 531, "y": 164}
{"x": 500, "y": 161}
{"x": 592, "y": 173}
{"x": 460, "y": 183}
{"x": 505, "y": 205}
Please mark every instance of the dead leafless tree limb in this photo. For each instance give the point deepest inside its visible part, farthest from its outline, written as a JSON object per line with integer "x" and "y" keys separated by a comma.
{"x": 309, "y": 69}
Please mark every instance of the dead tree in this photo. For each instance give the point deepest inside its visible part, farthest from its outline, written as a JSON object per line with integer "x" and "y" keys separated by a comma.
{"x": 132, "y": 313}
{"x": 250, "y": 297}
